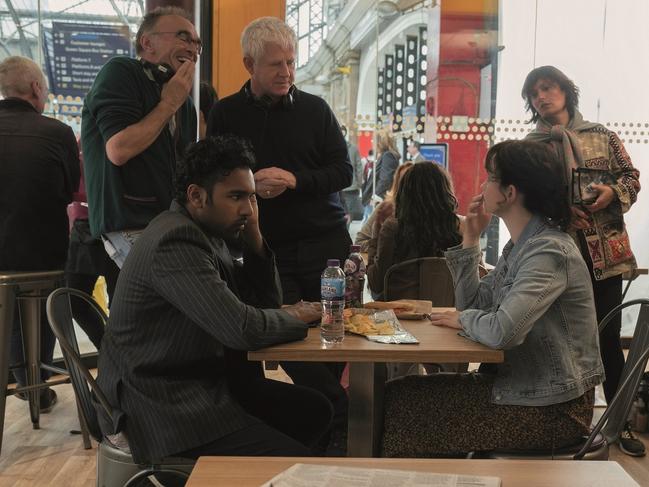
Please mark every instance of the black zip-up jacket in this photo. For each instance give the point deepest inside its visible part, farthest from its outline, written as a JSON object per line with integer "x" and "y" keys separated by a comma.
{"x": 302, "y": 137}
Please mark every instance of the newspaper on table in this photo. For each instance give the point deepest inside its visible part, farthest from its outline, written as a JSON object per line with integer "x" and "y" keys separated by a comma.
{"x": 306, "y": 475}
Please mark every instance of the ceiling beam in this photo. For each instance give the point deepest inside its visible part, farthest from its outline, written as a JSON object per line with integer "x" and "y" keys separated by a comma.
{"x": 24, "y": 46}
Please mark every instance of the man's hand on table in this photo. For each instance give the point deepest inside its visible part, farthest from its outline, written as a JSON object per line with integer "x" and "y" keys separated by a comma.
{"x": 304, "y": 311}
{"x": 451, "y": 319}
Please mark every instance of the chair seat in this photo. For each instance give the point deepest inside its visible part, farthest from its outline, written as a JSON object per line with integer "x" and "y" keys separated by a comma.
{"x": 116, "y": 468}
{"x": 598, "y": 451}
{"x": 115, "y": 454}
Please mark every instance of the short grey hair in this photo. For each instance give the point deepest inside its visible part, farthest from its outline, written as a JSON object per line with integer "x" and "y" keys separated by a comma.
{"x": 150, "y": 20}
{"x": 266, "y": 30}
{"x": 16, "y": 76}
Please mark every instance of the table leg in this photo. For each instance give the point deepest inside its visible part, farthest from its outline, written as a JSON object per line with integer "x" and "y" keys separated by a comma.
{"x": 31, "y": 326}
{"x": 366, "y": 387}
{"x": 7, "y": 305}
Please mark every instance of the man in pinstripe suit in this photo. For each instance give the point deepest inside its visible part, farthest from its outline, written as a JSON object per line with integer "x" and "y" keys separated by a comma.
{"x": 173, "y": 356}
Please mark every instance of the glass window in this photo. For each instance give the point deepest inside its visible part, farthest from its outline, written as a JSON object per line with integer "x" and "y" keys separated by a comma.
{"x": 71, "y": 41}
{"x": 306, "y": 18}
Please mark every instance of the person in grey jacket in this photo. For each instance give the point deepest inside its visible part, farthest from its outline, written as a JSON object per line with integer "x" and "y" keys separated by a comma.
{"x": 536, "y": 305}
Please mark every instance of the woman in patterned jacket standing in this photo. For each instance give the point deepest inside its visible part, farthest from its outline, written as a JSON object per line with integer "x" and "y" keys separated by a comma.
{"x": 604, "y": 184}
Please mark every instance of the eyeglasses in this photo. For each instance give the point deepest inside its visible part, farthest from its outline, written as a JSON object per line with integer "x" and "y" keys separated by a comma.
{"x": 186, "y": 37}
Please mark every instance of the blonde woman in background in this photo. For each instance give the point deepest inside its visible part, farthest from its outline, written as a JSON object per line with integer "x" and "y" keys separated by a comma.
{"x": 387, "y": 162}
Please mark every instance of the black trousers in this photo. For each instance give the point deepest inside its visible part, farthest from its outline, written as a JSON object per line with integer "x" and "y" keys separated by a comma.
{"x": 87, "y": 260}
{"x": 608, "y": 294}
{"x": 300, "y": 264}
{"x": 292, "y": 420}
{"x": 83, "y": 315}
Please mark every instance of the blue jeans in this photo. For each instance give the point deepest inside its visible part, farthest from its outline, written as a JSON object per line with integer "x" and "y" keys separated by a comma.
{"x": 118, "y": 244}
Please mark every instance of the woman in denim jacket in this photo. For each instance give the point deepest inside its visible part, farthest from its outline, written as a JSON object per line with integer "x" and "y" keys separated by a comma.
{"x": 536, "y": 305}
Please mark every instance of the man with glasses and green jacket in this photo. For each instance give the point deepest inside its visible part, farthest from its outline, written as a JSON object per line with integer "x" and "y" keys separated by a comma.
{"x": 137, "y": 119}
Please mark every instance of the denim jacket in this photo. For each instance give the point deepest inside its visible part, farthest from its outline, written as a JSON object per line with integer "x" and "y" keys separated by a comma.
{"x": 536, "y": 305}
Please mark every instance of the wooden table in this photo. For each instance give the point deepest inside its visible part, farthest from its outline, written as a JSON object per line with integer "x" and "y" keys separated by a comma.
{"x": 254, "y": 471}
{"x": 367, "y": 371}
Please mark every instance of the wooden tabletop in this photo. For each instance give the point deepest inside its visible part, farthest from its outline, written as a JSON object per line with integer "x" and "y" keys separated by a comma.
{"x": 254, "y": 471}
{"x": 436, "y": 344}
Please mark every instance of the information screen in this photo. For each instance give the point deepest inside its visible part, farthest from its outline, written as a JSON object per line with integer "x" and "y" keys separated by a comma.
{"x": 76, "y": 52}
{"x": 437, "y": 153}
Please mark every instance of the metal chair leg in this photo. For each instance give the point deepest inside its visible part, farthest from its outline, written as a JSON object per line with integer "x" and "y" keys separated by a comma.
{"x": 7, "y": 308}
{"x": 30, "y": 320}
{"x": 85, "y": 434}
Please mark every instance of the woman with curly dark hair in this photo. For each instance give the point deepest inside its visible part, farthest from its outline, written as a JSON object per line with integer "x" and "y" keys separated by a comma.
{"x": 424, "y": 225}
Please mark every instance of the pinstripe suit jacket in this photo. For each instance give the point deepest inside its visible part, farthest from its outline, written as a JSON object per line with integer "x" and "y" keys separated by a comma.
{"x": 181, "y": 304}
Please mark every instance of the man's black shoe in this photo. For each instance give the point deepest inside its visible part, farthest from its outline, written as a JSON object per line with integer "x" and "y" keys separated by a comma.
{"x": 48, "y": 399}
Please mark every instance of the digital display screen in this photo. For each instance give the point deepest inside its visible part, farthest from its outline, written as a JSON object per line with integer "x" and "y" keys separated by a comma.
{"x": 437, "y": 153}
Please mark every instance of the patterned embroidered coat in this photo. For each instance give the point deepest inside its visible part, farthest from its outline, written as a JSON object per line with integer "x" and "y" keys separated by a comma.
{"x": 606, "y": 238}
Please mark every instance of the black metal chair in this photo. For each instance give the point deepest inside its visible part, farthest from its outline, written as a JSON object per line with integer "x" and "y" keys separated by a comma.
{"x": 431, "y": 277}
{"x": 607, "y": 430}
{"x": 115, "y": 466}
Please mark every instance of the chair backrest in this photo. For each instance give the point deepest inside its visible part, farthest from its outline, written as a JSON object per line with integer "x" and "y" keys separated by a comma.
{"x": 430, "y": 275}
{"x": 59, "y": 314}
{"x": 614, "y": 418}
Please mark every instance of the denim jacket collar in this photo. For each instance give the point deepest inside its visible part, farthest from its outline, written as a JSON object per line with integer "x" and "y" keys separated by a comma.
{"x": 533, "y": 227}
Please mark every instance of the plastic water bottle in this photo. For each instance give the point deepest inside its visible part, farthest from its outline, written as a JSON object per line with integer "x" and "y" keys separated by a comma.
{"x": 354, "y": 278}
{"x": 332, "y": 292}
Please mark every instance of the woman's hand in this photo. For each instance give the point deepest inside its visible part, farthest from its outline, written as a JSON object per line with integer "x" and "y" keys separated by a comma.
{"x": 450, "y": 319}
{"x": 579, "y": 219}
{"x": 605, "y": 197}
{"x": 475, "y": 223}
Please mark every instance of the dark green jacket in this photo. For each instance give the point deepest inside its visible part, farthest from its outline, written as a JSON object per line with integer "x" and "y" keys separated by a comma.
{"x": 129, "y": 196}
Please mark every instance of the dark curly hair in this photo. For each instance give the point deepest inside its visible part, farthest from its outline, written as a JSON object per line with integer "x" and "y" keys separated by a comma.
{"x": 535, "y": 171}
{"x": 425, "y": 210}
{"x": 210, "y": 160}
{"x": 550, "y": 73}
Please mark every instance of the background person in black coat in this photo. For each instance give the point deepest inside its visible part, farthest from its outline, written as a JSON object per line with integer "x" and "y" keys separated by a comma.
{"x": 303, "y": 164}
{"x": 39, "y": 172}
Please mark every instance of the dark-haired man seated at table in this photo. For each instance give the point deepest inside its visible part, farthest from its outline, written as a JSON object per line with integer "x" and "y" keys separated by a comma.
{"x": 184, "y": 313}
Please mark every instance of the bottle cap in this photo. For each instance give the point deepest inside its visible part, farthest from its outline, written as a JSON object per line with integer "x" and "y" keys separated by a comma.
{"x": 355, "y": 248}
{"x": 333, "y": 263}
